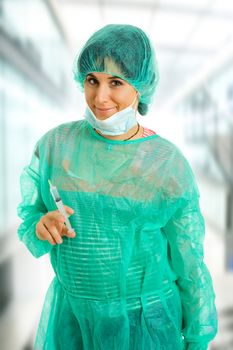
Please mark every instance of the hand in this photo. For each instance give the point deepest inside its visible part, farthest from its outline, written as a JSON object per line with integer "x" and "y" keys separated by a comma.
{"x": 51, "y": 227}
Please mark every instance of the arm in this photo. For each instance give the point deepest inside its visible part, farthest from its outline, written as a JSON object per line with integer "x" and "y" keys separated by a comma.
{"x": 32, "y": 208}
{"x": 185, "y": 233}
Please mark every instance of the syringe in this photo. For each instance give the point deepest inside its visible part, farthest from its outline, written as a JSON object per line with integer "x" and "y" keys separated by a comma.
{"x": 60, "y": 205}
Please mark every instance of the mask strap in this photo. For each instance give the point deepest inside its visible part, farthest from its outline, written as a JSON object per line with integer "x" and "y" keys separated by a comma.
{"x": 137, "y": 94}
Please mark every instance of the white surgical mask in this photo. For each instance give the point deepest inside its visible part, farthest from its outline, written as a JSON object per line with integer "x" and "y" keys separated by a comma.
{"x": 119, "y": 123}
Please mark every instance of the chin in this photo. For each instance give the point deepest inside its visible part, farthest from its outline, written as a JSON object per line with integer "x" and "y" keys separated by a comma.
{"x": 102, "y": 115}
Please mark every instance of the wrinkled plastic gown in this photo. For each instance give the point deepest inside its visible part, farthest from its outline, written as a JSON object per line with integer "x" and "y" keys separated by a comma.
{"x": 133, "y": 277}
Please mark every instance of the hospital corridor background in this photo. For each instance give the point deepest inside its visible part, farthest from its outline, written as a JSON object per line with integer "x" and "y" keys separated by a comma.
{"x": 193, "y": 108}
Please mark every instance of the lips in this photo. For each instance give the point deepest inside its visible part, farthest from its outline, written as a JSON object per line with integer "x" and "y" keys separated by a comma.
{"x": 104, "y": 109}
{"x": 104, "y": 112}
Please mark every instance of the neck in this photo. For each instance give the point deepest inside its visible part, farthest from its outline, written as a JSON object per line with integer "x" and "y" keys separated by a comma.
{"x": 126, "y": 135}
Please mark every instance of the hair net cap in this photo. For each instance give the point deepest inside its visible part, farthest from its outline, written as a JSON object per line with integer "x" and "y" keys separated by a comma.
{"x": 121, "y": 50}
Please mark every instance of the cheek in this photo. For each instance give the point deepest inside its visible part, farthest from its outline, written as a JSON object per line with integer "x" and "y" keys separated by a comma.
{"x": 124, "y": 100}
{"x": 88, "y": 96}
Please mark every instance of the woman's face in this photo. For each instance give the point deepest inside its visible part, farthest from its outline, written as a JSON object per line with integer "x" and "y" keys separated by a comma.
{"x": 106, "y": 94}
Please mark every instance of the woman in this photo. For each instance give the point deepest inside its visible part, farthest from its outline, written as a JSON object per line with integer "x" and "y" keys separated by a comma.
{"x": 132, "y": 274}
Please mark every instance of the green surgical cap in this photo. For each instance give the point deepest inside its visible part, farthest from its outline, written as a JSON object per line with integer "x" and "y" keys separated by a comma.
{"x": 121, "y": 50}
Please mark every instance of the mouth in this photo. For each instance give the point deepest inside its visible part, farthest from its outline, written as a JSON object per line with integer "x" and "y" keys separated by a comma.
{"x": 103, "y": 113}
{"x": 105, "y": 109}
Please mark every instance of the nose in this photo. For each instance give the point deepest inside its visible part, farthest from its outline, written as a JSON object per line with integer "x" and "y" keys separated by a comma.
{"x": 102, "y": 95}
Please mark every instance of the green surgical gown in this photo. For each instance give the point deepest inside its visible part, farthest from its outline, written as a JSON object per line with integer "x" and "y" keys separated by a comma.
{"x": 133, "y": 278}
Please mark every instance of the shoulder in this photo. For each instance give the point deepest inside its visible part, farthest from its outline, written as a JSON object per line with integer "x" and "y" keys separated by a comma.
{"x": 56, "y": 138}
{"x": 62, "y": 132}
{"x": 179, "y": 173}
{"x": 172, "y": 153}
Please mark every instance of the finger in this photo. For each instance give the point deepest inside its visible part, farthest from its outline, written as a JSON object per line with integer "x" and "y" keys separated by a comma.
{"x": 55, "y": 215}
{"x": 50, "y": 239}
{"x": 52, "y": 229}
{"x": 67, "y": 233}
{"x": 39, "y": 231}
{"x": 52, "y": 222}
{"x": 43, "y": 234}
{"x": 69, "y": 210}
{"x": 71, "y": 234}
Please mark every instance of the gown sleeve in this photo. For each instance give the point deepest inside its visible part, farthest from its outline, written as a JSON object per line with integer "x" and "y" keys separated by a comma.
{"x": 185, "y": 232}
{"x": 32, "y": 208}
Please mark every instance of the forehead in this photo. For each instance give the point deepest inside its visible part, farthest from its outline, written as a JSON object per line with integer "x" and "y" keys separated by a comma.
{"x": 102, "y": 76}
{"x": 111, "y": 66}
{"x": 108, "y": 68}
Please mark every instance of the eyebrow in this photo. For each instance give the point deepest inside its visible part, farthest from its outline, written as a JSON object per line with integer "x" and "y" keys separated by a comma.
{"x": 112, "y": 77}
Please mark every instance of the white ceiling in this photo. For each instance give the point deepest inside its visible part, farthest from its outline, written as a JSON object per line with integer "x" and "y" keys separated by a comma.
{"x": 187, "y": 34}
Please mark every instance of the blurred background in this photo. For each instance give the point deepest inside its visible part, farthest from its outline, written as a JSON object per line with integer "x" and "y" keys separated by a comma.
{"x": 193, "y": 108}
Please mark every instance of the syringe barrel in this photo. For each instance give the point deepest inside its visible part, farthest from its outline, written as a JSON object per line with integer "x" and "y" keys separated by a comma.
{"x": 61, "y": 208}
{"x": 55, "y": 194}
{"x": 59, "y": 204}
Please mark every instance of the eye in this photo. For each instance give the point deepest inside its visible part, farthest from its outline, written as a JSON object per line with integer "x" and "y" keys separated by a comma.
{"x": 116, "y": 82}
{"x": 91, "y": 80}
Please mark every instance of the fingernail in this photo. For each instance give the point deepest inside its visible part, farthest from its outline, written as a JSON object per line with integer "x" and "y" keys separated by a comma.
{"x": 60, "y": 241}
